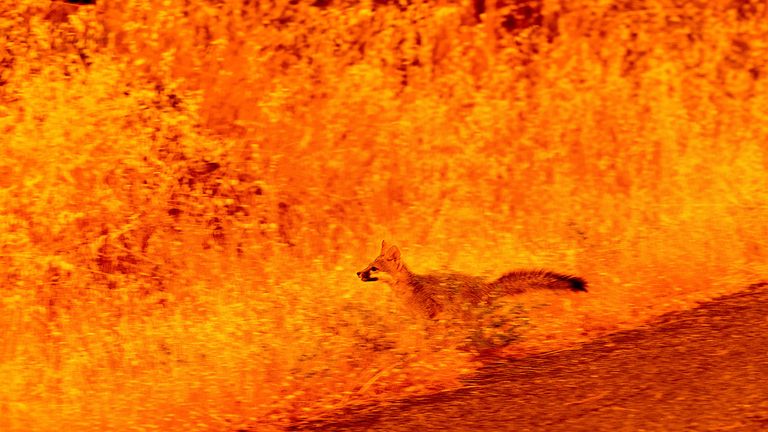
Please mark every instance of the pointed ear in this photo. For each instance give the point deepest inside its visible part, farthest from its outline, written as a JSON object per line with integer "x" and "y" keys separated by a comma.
{"x": 393, "y": 254}
{"x": 384, "y": 246}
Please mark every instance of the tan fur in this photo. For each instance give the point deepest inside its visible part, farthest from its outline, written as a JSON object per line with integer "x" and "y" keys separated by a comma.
{"x": 431, "y": 294}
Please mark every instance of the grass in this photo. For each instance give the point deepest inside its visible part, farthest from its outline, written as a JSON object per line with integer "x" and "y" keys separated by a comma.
{"x": 186, "y": 194}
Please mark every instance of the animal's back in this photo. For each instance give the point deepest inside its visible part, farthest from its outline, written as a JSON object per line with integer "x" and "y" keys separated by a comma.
{"x": 454, "y": 291}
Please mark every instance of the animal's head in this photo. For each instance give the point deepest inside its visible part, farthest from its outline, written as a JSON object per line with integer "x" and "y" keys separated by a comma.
{"x": 388, "y": 261}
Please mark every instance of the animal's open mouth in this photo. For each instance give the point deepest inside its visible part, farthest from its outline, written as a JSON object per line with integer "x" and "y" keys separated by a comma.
{"x": 365, "y": 276}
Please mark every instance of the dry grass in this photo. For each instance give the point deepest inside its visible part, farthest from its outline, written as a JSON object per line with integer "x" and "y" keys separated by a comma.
{"x": 187, "y": 192}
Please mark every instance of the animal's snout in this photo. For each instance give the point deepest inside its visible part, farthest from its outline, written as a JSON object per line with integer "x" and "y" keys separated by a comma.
{"x": 358, "y": 274}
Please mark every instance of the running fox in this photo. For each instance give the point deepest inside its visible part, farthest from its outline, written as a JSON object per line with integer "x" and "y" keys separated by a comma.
{"x": 429, "y": 295}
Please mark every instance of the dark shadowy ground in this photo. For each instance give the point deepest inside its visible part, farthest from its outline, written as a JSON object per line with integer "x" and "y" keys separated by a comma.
{"x": 704, "y": 369}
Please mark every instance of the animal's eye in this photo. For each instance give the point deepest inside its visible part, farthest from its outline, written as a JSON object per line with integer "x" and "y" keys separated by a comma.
{"x": 374, "y": 268}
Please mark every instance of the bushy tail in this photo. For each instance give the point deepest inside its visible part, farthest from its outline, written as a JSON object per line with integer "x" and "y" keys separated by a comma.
{"x": 520, "y": 281}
